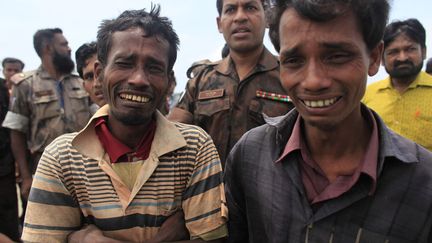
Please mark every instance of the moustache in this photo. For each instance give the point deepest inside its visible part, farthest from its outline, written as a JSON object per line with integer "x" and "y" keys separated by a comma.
{"x": 397, "y": 63}
{"x": 127, "y": 87}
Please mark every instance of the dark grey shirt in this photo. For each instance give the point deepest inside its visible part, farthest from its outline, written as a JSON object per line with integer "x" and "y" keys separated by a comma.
{"x": 267, "y": 201}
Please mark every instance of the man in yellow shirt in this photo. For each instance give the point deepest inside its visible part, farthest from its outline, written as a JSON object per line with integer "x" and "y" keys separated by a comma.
{"x": 403, "y": 99}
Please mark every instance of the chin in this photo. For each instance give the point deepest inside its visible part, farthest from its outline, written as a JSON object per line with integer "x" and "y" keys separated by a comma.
{"x": 133, "y": 119}
{"x": 321, "y": 124}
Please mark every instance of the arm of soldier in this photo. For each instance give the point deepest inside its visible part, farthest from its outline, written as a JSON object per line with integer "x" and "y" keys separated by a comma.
{"x": 183, "y": 112}
{"x": 19, "y": 150}
{"x": 52, "y": 210}
{"x": 204, "y": 202}
{"x": 237, "y": 224}
{"x": 17, "y": 120}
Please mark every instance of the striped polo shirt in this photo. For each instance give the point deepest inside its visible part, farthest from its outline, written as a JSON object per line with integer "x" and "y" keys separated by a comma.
{"x": 76, "y": 185}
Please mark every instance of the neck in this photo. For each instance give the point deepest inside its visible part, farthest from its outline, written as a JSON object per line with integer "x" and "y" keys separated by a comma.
{"x": 246, "y": 62}
{"x": 129, "y": 135}
{"x": 401, "y": 84}
{"x": 48, "y": 65}
{"x": 340, "y": 141}
{"x": 339, "y": 150}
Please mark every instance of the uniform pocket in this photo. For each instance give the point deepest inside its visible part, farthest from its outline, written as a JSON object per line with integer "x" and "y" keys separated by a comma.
{"x": 46, "y": 106}
{"x": 78, "y": 99}
{"x": 260, "y": 106}
{"x": 206, "y": 109}
{"x": 80, "y": 109}
{"x": 210, "y": 107}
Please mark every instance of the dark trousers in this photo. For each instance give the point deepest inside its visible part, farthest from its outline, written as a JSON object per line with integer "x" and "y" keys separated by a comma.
{"x": 9, "y": 207}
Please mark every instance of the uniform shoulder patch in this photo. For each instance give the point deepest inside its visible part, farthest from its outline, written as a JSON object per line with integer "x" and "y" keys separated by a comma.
{"x": 19, "y": 77}
{"x": 197, "y": 67}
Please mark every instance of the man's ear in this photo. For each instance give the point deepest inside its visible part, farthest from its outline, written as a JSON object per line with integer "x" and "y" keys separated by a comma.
{"x": 47, "y": 48}
{"x": 218, "y": 24}
{"x": 375, "y": 56}
{"x": 97, "y": 69}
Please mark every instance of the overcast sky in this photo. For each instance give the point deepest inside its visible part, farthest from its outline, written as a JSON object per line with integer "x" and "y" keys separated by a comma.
{"x": 193, "y": 20}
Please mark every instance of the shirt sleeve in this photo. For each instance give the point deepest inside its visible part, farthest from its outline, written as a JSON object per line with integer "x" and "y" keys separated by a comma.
{"x": 18, "y": 116}
{"x": 186, "y": 101}
{"x": 218, "y": 233}
{"x": 52, "y": 212}
{"x": 204, "y": 202}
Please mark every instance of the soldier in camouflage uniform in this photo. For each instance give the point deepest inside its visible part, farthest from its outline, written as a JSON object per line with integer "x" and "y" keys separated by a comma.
{"x": 46, "y": 103}
{"x": 231, "y": 96}
{"x": 11, "y": 66}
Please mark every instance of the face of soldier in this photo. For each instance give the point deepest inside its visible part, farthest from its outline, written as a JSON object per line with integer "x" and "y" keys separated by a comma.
{"x": 135, "y": 77}
{"x": 403, "y": 58}
{"x": 242, "y": 23}
{"x": 61, "y": 55}
{"x": 10, "y": 69}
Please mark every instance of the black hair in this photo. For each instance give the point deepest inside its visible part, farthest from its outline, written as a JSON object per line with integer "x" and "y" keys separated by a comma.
{"x": 82, "y": 54}
{"x": 410, "y": 27}
{"x": 43, "y": 37}
{"x": 219, "y": 5}
{"x": 372, "y": 16}
{"x": 12, "y": 60}
{"x": 151, "y": 22}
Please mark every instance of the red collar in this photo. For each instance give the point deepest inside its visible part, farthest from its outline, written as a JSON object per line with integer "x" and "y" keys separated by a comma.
{"x": 119, "y": 152}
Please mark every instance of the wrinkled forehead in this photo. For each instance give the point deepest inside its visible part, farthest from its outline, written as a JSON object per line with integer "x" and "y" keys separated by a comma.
{"x": 402, "y": 39}
{"x": 242, "y": 2}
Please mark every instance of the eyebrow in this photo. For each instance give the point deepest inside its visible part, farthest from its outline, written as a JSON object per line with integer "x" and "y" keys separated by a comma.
{"x": 326, "y": 45}
{"x": 241, "y": 4}
{"x": 289, "y": 52}
{"x": 338, "y": 45}
{"x": 133, "y": 56}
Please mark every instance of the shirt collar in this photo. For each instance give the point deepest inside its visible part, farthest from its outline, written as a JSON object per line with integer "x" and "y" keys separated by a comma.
{"x": 118, "y": 151}
{"x": 45, "y": 75}
{"x": 422, "y": 79}
{"x": 167, "y": 137}
{"x": 294, "y": 141}
{"x": 370, "y": 159}
{"x": 390, "y": 145}
{"x": 266, "y": 62}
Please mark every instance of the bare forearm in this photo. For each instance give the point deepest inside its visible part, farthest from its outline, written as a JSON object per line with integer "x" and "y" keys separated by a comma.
{"x": 19, "y": 150}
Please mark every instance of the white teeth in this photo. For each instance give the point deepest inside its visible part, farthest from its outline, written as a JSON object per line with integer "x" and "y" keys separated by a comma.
{"x": 319, "y": 103}
{"x": 136, "y": 98}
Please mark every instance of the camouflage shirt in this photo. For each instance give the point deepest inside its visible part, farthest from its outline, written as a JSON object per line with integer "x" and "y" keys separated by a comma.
{"x": 44, "y": 108}
{"x": 226, "y": 107}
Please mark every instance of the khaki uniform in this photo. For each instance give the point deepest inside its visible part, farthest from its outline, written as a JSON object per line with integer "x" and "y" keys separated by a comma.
{"x": 226, "y": 107}
{"x": 44, "y": 108}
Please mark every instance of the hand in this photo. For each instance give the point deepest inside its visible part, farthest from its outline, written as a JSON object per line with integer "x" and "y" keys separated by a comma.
{"x": 173, "y": 229}
{"x": 90, "y": 234}
{"x": 5, "y": 239}
{"x": 17, "y": 173}
{"x": 25, "y": 187}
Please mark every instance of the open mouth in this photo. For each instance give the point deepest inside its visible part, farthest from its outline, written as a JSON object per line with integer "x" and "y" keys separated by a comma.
{"x": 134, "y": 98}
{"x": 320, "y": 103}
{"x": 241, "y": 30}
